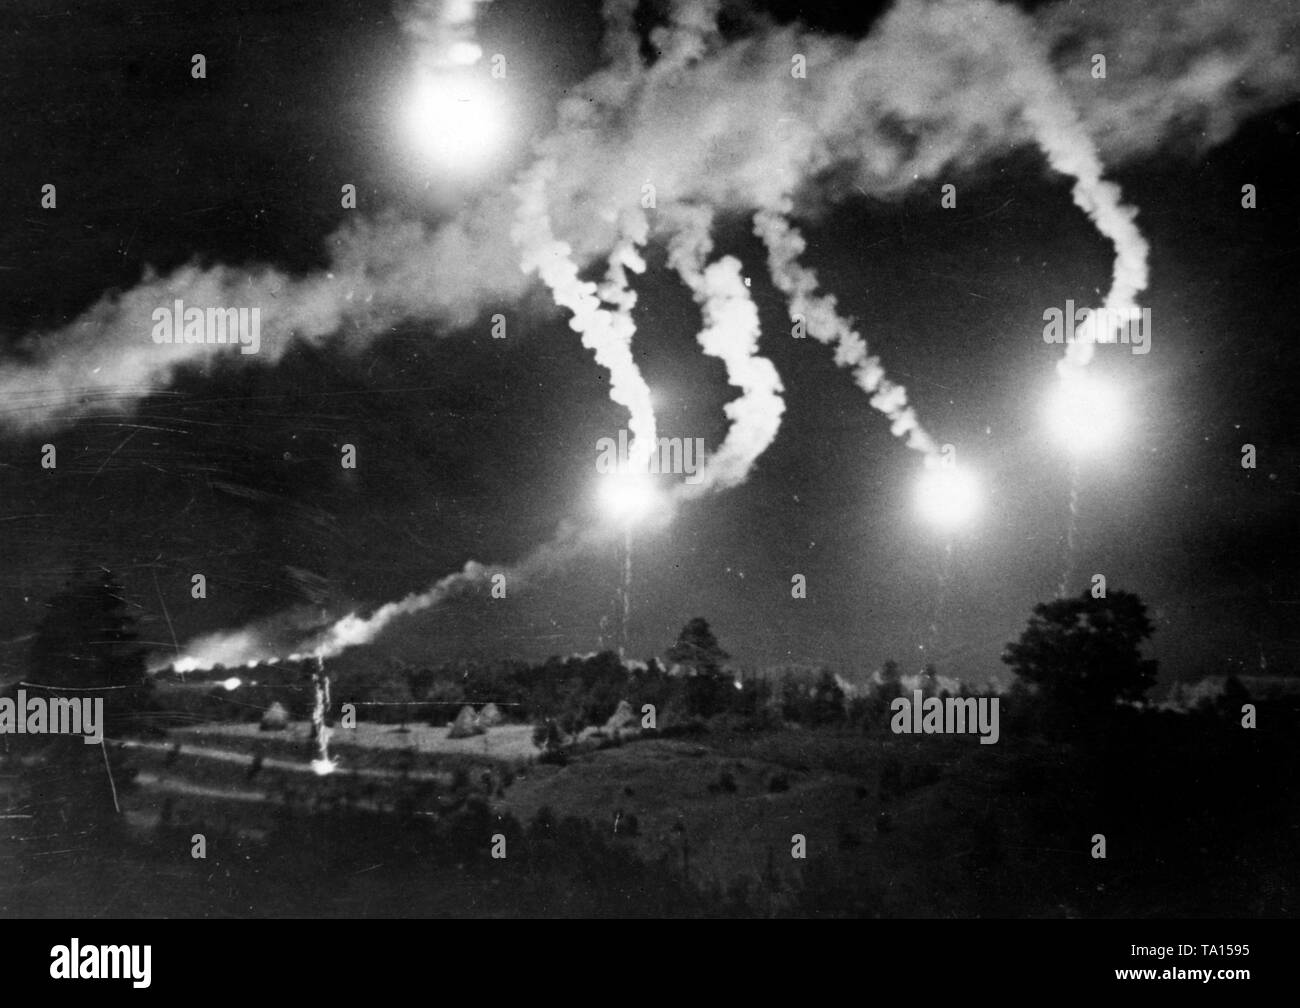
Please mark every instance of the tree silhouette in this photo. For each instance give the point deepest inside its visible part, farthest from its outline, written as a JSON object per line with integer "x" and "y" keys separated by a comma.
{"x": 826, "y": 700}
{"x": 697, "y": 649}
{"x": 88, "y": 637}
{"x": 1085, "y": 652}
{"x": 890, "y": 674}
{"x": 88, "y": 642}
{"x": 877, "y": 706}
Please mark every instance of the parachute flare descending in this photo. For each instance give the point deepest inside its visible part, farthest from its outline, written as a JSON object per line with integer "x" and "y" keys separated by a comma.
{"x": 455, "y": 120}
{"x": 947, "y": 496}
{"x": 628, "y": 497}
{"x": 1085, "y": 413}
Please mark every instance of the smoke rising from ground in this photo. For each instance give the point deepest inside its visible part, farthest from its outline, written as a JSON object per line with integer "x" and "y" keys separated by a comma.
{"x": 291, "y": 635}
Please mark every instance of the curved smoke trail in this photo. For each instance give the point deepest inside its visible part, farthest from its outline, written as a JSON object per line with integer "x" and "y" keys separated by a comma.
{"x": 1060, "y": 134}
{"x": 730, "y": 333}
{"x": 607, "y": 333}
{"x": 935, "y": 87}
{"x": 826, "y": 325}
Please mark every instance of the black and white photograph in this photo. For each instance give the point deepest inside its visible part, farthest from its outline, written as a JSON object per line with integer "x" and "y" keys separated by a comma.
{"x": 612, "y": 459}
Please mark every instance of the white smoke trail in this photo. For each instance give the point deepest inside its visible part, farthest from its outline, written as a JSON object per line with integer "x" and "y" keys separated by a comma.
{"x": 825, "y": 324}
{"x": 382, "y": 272}
{"x": 253, "y": 645}
{"x": 621, "y": 45}
{"x": 442, "y": 31}
{"x": 935, "y": 87}
{"x": 353, "y": 630}
{"x": 1057, "y": 129}
{"x": 1060, "y": 134}
{"x": 607, "y": 333}
{"x": 624, "y": 256}
{"x": 1192, "y": 70}
{"x": 730, "y": 333}
{"x": 692, "y": 28}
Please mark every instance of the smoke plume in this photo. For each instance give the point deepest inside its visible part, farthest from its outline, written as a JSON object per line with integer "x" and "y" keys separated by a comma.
{"x": 607, "y": 333}
{"x": 730, "y": 333}
{"x": 283, "y": 637}
{"x": 936, "y": 87}
{"x": 442, "y": 31}
{"x": 825, "y": 324}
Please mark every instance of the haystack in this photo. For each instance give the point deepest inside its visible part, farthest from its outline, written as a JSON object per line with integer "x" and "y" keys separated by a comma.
{"x": 489, "y": 716}
{"x": 466, "y": 724}
{"x": 275, "y": 718}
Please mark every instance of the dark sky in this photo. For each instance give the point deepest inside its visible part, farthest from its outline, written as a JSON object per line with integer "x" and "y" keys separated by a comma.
{"x": 475, "y": 448}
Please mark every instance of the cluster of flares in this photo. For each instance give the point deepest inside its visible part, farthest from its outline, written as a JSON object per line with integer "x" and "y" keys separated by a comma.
{"x": 987, "y": 84}
{"x": 949, "y": 496}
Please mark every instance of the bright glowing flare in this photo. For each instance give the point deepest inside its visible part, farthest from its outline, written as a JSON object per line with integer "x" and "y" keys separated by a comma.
{"x": 947, "y": 496}
{"x": 456, "y": 120}
{"x": 464, "y": 53}
{"x": 1084, "y": 413}
{"x": 628, "y": 497}
{"x": 232, "y": 684}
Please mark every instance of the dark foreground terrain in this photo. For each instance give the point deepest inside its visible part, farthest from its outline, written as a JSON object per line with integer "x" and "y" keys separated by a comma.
{"x": 1199, "y": 818}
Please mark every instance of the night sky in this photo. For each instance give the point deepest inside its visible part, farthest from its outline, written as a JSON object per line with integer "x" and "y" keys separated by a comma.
{"x": 471, "y": 447}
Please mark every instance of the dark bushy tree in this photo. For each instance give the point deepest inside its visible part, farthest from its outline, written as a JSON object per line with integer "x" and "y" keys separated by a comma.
{"x": 749, "y": 703}
{"x": 827, "y": 700}
{"x": 890, "y": 676}
{"x": 793, "y": 696}
{"x": 89, "y": 638}
{"x": 1084, "y": 653}
{"x": 874, "y": 709}
{"x": 698, "y": 650}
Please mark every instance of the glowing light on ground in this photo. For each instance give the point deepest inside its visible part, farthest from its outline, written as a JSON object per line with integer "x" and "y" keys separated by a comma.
{"x": 456, "y": 120}
{"x": 232, "y": 684}
{"x": 947, "y": 496}
{"x": 1085, "y": 413}
{"x": 323, "y": 767}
